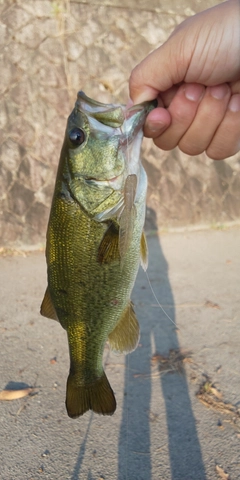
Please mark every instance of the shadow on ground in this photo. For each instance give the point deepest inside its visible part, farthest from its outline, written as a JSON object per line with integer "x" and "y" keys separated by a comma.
{"x": 134, "y": 457}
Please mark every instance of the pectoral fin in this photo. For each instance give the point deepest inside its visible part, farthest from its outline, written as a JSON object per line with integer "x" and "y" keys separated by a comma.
{"x": 125, "y": 336}
{"x": 144, "y": 252}
{"x": 109, "y": 247}
{"x": 126, "y": 222}
{"x": 47, "y": 309}
{"x": 128, "y": 215}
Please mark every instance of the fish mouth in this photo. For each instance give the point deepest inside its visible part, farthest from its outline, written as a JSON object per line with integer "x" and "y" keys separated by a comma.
{"x": 114, "y": 182}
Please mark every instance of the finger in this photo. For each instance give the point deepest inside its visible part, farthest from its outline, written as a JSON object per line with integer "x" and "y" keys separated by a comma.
{"x": 226, "y": 141}
{"x": 167, "y": 97}
{"x": 235, "y": 86}
{"x": 156, "y": 122}
{"x": 182, "y": 109}
{"x": 210, "y": 114}
{"x": 158, "y": 72}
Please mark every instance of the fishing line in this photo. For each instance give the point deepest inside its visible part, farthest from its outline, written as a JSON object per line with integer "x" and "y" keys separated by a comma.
{"x": 159, "y": 304}
{"x": 127, "y": 359}
{"x": 127, "y": 416}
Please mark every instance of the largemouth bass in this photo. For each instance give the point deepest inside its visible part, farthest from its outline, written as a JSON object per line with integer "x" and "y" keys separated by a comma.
{"x": 95, "y": 242}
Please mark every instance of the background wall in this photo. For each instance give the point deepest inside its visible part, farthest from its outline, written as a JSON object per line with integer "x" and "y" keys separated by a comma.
{"x": 49, "y": 51}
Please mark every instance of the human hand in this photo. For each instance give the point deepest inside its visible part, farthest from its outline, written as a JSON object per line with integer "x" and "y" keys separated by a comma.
{"x": 196, "y": 77}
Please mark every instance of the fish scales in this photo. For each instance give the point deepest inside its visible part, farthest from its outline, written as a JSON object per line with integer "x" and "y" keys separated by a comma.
{"x": 89, "y": 279}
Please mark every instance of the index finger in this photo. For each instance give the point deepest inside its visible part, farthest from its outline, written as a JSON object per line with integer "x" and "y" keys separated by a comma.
{"x": 158, "y": 72}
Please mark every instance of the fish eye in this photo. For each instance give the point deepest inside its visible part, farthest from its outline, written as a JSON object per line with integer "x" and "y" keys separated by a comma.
{"x": 76, "y": 136}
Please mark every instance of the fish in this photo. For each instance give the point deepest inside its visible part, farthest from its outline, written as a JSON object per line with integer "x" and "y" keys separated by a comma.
{"x": 95, "y": 244}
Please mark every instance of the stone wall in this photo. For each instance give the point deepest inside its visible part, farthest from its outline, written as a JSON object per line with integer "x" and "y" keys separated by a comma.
{"x": 49, "y": 51}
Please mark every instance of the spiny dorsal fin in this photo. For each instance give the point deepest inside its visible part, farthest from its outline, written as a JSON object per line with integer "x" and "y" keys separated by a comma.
{"x": 125, "y": 336}
{"x": 98, "y": 397}
{"x": 47, "y": 309}
{"x": 108, "y": 250}
{"x": 144, "y": 252}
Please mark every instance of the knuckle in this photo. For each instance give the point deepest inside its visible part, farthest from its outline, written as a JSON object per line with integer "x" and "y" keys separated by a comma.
{"x": 133, "y": 77}
{"x": 163, "y": 144}
{"x": 181, "y": 115}
{"x": 225, "y": 143}
{"x": 218, "y": 150}
{"x": 190, "y": 147}
{"x": 217, "y": 153}
{"x": 191, "y": 150}
{"x": 136, "y": 78}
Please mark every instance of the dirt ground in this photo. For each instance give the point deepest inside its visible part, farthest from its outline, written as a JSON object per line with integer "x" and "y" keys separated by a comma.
{"x": 178, "y": 394}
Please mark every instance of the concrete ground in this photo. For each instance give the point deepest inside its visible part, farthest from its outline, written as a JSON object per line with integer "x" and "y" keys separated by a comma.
{"x": 178, "y": 394}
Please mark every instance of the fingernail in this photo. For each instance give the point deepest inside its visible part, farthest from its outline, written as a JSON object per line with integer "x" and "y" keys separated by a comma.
{"x": 234, "y": 104}
{"x": 219, "y": 91}
{"x": 156, "y": 128}
{"x": 193, "y": 92}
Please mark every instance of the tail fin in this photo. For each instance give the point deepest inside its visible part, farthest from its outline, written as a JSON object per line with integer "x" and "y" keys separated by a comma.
{"x": 98, "y": 397}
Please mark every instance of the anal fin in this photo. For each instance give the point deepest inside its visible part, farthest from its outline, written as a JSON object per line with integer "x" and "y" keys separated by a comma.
{"x": 125, "y": 336}
{"x": 47, "y": 309}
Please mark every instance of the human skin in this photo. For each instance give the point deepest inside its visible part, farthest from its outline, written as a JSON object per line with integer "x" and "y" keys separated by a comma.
{"x": 195, "y": 75}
